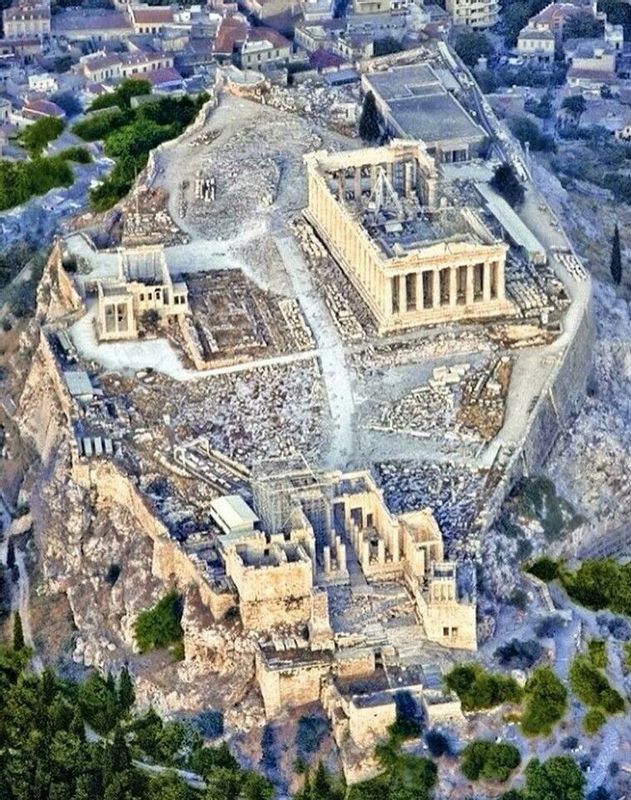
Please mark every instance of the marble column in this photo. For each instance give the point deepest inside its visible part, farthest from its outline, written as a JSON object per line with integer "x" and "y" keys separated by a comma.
{"x": 381, "y": 551}
{"x": 469, "y": 295}
{"x": 402, "y": 297}
{"x": 486, "y": 282}
{"x": 341, "y": 557}
{"x": 500, "y": 280}
{"x": 453, "y": 287}
{"x": 436, "y": 289}
{"x": 326, "y": 557}
{"x": 358, "y": 183}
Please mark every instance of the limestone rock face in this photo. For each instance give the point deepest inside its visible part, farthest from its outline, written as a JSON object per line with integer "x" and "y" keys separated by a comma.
{"x": 56, "y": 294}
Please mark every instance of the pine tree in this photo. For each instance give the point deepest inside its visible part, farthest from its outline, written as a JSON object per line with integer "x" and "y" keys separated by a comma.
{"x": 370, "y": 121}
{"x": 615, "y": 265}
{"x": 18, "y": 632}
{"x": 126, "y": 694}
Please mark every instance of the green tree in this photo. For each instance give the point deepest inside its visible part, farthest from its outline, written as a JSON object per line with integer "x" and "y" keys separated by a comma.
{"x": 370, "y": 121}
{"x": 18, "y": 633}
{"x": 507, "y": 184}
{"x": 615, "y": 262}
{"x": 558, "y": 777}
{"x": 478, "y": 689}
{"x": 591, "y": 687}
{"x": 545, "y": 702}
{"x": 35, "y": 137}
{"x": 575, "y": 105}
{"x": 472, "y": 45}
{"x": 491, "y": 761}
{"x": 126, "y": 694}
{"x": 582, "y": 26}
{"x": 160, "y": 626}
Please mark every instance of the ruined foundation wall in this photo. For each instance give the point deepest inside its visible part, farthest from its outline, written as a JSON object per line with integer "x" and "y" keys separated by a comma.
{"x": 265, "y": 614}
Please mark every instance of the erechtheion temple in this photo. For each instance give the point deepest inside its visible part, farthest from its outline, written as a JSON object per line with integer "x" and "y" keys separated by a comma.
{"x": 143, "y": 284}
{"x": 413, "y": 258}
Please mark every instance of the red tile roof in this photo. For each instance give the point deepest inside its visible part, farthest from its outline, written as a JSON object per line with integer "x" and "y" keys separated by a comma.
{"x": 232, "y": 31}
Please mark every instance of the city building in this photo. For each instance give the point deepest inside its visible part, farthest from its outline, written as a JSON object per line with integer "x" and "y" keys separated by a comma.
{"x": 478, "y": 14}
{"x": 26, "y": 18}
{"x": 536, "y": 44}
{"x": 416, "y": 104}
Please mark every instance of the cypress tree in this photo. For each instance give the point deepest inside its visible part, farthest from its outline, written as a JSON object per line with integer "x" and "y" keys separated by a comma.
{"x": 370, "y": 120}
{"x": 18, "y": 632}
{"x": 615, "y": 265}
{"x": 126, "y": 694}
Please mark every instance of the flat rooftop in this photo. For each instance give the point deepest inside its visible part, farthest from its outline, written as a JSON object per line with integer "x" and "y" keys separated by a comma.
{"x": 404, "y": 81}
{"x": 421, "y": 106}
{"x": 434, "y": 118}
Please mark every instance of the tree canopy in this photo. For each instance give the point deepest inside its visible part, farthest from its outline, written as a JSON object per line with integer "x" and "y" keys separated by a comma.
{"x": 370, "y": 121}
{"x": 472, "y": 45}
{"x": 490, "y": 761}
{"x": 507, "y": 184}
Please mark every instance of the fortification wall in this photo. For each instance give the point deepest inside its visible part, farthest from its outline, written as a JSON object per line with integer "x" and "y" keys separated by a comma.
{"x": 553, "y": 413}
{"x": 170, "y": 562}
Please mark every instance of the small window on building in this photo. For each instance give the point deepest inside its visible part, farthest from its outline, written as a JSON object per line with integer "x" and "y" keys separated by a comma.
{"x": 142, "y": 297}
{"x": 445, "y": 631}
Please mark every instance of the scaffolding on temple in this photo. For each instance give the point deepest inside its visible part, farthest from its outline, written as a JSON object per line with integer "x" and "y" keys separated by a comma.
{"x": 280, "y": 486}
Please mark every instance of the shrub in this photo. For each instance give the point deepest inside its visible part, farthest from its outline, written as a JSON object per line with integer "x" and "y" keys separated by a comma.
{"x": 558, "y": 777}
{"x": 99, "y": 704}
{"x": 160, "y": 626}
{"x": 545, "y": 702}
{"x": 519, "y": 599}
{"x": 489, "y": 761}
{"x": 601, "y": 583}
{"x": 597, "y": 653}
{"x": 209, "y": 723}
{"x": 478, "y": 689}
{"x": 438, "y": 744}
{"x": 122, "y": 95}
{"x": 593, "y": 721}
{"x": 309, "y": 735}
{"x": 548, "y": 626}
{"x": 546, "y": 569}
{"x": 508, "y": 185}
{"x": 98, "y": 126}
{"x": 591, "y": 687}
{"x": 77, "y": 154}
{"x": 518, "y": 654}
{"x": 35, "y": 137}
{"x": 472, "y": 45}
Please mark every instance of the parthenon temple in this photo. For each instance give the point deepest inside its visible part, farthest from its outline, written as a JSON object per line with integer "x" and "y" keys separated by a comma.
{"x": 414, "y": 258}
